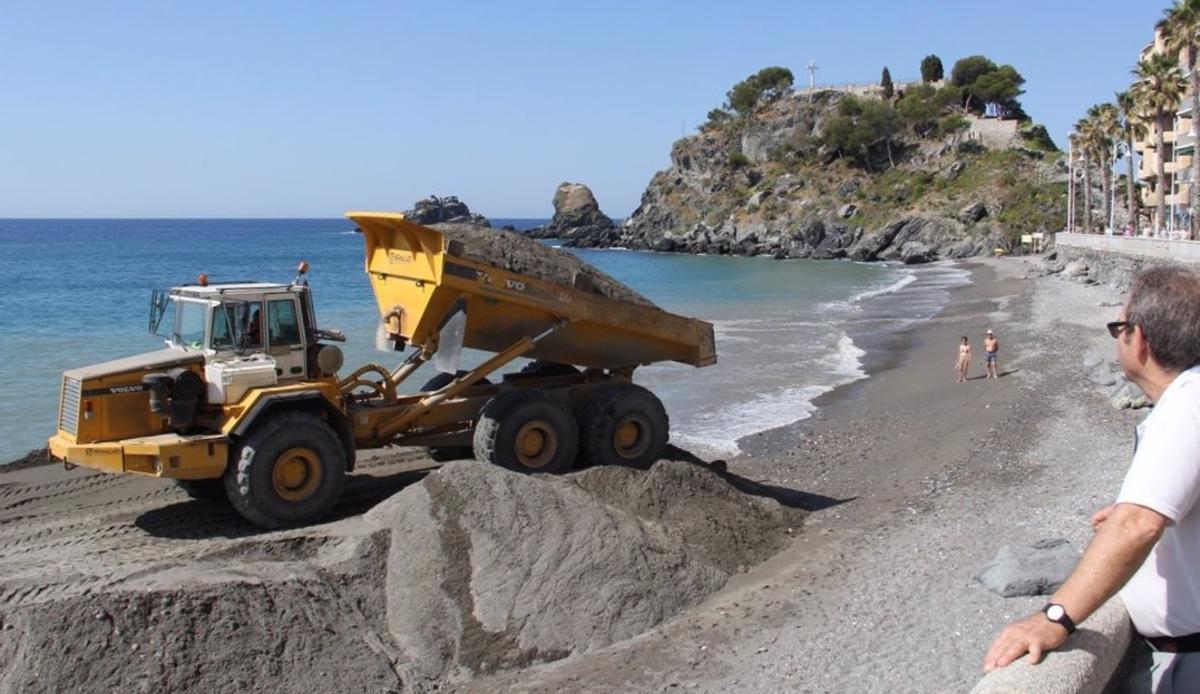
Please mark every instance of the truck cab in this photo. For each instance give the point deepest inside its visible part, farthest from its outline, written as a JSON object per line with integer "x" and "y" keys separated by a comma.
{"x": 239, "y": 321}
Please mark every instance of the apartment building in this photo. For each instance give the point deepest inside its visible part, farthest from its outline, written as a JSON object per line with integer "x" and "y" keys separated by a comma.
{"x": 1179, "y": 146}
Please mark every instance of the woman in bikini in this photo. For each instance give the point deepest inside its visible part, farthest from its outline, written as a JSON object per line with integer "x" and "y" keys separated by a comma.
{"x": 964, "y": 359}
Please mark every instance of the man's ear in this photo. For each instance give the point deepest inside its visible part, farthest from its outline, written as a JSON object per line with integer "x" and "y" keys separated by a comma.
{"x": 1141, "y": 346}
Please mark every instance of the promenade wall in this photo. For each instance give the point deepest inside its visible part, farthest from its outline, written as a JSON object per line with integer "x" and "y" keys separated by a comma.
{"x": 1115, "y": 260}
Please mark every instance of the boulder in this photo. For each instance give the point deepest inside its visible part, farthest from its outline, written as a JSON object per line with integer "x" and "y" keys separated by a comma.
{"x": 1038, "y": 569}
{"x": 1128, "y": 396}
{"x": 450, "y": 210}
{"x": 848, "y": 210}
{"x": 1074, "y": 269}
{"x": 915, "y": 253}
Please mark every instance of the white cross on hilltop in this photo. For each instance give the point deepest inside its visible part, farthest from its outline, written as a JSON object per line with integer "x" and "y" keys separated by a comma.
{"x": 812, "y": 73}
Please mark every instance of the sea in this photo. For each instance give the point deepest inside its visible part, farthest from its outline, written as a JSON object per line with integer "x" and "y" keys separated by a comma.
{"x": 75, "y": 292}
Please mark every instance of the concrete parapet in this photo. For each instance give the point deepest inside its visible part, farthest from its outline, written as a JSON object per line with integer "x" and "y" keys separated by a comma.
{"x": 1115, "y": 260}
{"x": 1084, "y": 665}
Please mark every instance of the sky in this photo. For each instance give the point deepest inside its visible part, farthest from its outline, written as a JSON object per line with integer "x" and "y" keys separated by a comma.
{"x": 308, "y": 109}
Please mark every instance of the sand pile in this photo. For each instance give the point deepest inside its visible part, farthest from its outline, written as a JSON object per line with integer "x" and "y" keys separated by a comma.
{"x": 210, "y": 626}
{"x": 474, "y": 569}
{"x": 528, "y": 257}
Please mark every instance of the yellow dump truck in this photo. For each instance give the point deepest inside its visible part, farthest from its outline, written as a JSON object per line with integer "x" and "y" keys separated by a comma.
{"x": 246, "y": 401}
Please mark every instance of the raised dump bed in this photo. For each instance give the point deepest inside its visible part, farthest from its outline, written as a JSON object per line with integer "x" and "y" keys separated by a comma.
{"x": 420, "y": 277}
{"x": 586, "y": 332}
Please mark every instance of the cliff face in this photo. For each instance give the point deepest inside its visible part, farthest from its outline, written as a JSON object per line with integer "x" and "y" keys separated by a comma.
{"x": 766, "y": 185}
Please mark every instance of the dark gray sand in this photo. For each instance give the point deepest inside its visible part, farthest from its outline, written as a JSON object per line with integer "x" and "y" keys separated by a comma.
{"x": 895, "y": 494}
{"x": 914, "y": 482}
{"x": 529, "y": 257}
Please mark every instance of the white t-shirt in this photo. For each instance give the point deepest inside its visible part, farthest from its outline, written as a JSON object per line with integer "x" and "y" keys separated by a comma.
{"x": 1163, "y": 597}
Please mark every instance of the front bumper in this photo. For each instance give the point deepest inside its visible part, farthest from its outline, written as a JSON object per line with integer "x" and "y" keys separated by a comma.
{"x": 164, "y": 455}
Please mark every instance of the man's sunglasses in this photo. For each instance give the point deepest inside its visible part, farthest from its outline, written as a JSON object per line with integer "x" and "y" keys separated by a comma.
{"x": 1115, "y": 328}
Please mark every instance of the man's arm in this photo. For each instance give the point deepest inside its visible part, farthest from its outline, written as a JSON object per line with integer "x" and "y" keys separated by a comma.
{"x": 1123, "y": 540}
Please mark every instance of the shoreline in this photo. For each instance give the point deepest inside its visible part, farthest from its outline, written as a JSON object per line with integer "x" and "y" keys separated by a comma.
{"x": 894, "y": 351}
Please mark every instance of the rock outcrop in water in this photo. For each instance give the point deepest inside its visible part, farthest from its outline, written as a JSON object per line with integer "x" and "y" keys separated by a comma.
{"x": 447, "y": 210}
{"x": 578, "y": 219}
{"x": 766, "y": 183}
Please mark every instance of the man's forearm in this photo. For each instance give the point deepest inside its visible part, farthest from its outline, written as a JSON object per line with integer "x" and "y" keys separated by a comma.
{"x": 1119, "y": 547}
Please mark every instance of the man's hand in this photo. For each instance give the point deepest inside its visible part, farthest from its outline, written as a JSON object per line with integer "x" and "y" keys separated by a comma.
{"x": 1033, "y": 635}
{"x": 1101, "y": 516}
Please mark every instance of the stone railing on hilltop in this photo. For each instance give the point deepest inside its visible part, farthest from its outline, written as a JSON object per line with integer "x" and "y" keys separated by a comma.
{"x": 861, "y": 88}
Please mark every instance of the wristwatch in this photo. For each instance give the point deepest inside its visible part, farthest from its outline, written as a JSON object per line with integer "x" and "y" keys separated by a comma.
{"x": 1058, "y": 614}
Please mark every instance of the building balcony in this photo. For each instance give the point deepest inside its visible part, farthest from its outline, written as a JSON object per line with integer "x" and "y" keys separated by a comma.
{"x": 1185, "y": 143}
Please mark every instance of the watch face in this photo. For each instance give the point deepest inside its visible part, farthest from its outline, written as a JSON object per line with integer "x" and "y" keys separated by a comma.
{"x": 1055, "y": 612}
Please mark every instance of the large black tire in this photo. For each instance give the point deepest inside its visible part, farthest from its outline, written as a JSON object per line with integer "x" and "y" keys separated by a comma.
{"x": 528, "y": 430}
{"x": 548, "y": 368}
{"x": 443, "y": 454}
{"x": 203, "y": 490}
{"x": 288, "y": 471}
{"x": 622, "y": 424}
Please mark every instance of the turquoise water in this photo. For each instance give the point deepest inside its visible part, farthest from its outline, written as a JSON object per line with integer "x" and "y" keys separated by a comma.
{"x": 74, "y": 292}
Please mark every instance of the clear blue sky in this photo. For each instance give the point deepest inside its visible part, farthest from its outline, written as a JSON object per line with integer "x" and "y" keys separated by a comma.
{"x": 306, "y": 109}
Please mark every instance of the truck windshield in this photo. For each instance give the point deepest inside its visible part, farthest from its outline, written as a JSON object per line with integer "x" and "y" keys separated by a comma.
{"x": 189, "y": 324}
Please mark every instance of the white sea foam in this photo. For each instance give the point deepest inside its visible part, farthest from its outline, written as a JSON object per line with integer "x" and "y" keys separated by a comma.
{"x": 909, "y": 277}
{"x": 715, "y": 432}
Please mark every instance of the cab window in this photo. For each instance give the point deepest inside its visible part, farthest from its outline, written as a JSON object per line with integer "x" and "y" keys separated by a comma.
{"x": 189, "y": 324}
{"x": 222, "y": 325}
{"x": 283, "y": 326}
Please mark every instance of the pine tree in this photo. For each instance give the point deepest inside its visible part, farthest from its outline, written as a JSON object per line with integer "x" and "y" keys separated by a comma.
{"x": 886, "y": 82}
{"x": 931, "y": 68}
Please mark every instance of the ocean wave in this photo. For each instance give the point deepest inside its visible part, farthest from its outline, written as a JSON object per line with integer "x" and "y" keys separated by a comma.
{"x": 717, "y": 431}
{"x": 909, "y": 277}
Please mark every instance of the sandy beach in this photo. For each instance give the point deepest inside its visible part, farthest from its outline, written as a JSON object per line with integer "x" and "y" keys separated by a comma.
{"x": 911, "y": 483}
{"x": 922, "y": 481}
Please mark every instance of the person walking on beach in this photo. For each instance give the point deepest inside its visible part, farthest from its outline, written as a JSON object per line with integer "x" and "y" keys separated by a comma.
{"x": 991, "y": 347}
{"x": 1146, "y": 544}
{"x": 964, "y": 359}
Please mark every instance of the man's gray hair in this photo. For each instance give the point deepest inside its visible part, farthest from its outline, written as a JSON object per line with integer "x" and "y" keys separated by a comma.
{"x": 1165, "y": 303}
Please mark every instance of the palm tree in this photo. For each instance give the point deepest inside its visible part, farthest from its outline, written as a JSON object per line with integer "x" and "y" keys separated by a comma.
{"x": 1085, "y": 130}
{"x": 1180, "y": 27}
{"x": 1158, "y": 88}
{"x": 1132, "y": 128}
{"x": 1107, "y": 127}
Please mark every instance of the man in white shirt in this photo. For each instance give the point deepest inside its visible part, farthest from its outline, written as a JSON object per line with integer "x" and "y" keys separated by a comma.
{"x": 1147, "y": 545}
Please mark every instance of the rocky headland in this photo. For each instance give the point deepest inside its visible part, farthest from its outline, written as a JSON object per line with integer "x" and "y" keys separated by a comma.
{"x": 777, "y": 181}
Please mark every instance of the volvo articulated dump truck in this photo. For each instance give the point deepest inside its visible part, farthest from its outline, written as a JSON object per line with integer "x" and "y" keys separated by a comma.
{"x": 246, "y": 400}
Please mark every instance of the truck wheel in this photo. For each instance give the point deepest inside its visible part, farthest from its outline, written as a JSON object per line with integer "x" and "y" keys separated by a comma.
{"x": 622, "y": 424}
{"x": 548, "y": 368}
{"x": 288, "y": 471}
{"x": 203, "y": 490}
{"x": 442, "y": 454}
{"x": 527, "y": 430}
